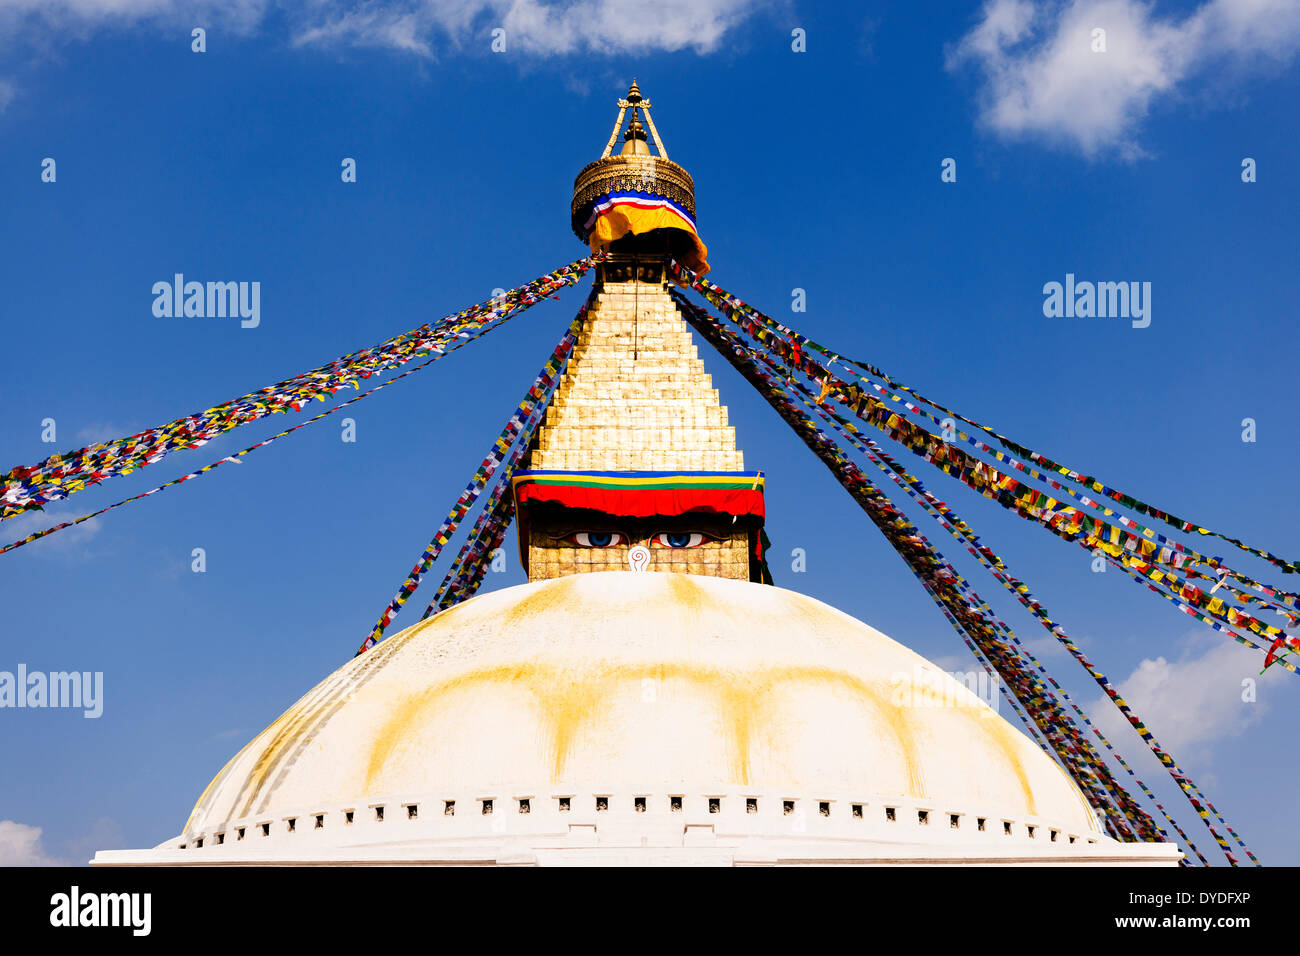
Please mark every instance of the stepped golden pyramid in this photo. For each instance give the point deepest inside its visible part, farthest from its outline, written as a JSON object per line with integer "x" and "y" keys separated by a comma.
{"x": 645, "y": 698}
{"x": 636, "y": 396}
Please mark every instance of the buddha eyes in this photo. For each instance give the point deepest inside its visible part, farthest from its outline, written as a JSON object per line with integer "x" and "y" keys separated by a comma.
{"x": 678, "y": 539}
{"x": 610, "y": 539}
{"x": 595, "y": 539}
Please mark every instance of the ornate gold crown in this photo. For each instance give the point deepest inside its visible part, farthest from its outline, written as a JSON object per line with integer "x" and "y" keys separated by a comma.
{"x": 634, "y": 168}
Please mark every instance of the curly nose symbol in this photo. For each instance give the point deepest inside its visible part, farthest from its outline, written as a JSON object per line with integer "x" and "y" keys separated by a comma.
{"x": 639, "y": 557}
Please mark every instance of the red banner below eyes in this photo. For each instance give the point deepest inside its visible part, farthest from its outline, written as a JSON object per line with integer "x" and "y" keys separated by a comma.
{"x": 646, "y": 502}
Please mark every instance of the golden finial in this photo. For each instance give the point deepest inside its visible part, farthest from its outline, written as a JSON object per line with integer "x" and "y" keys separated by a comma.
{"x": 634, "y": 167}
{"x": 634, "y": 140}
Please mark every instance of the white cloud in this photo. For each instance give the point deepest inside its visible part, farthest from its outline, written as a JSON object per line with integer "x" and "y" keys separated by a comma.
{"x": 7, "y": 93}
{"x": 421, "y": 27}
{"x": 1041, "y": 76}
{"x": 380, "y": 27}
{"x": 534, "y": 27}
{"x": 20, "y": 845}
{"x": 47, "y": 21}
{"x": 1193, "y": 703}
{"x": 611, "y": 26}
{"x": 97, "y": 432}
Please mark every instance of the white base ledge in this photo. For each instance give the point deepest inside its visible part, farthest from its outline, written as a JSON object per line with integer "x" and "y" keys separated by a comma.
{"x": 562, "y": 851}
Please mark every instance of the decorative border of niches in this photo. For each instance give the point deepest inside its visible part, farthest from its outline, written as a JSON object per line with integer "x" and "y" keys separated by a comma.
{"x": 556, "y": 811}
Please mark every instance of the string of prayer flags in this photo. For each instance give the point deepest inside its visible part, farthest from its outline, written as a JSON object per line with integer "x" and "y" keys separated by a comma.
{"x": 963, "y": 608}
{"x": 23, "y": 488}
{"x": 958, "y": 528}
{"x": 946, "y": 577}
{"x": 521, "y": 424}
{"x": 485, "y": 538}
{"x": 779, "y": 362}
{"x": 235, "y": 457}
{"x": 781, "y": 338}
{"x": 1058, "y": 517}
{"x": 725, "y": 300}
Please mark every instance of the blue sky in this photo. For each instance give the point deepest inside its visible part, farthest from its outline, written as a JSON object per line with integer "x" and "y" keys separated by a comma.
{"x": 817, "y": 170}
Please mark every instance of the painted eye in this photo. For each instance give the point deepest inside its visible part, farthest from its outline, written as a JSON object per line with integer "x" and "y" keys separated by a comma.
{"x": 595, "y": 539}
{"x": 678, "y": 539}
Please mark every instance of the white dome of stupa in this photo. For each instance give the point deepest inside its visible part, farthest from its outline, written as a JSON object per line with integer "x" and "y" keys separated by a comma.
{"x": 641, "y": 717}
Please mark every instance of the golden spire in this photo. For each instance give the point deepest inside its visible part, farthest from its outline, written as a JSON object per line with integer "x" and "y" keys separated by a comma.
{"x": 635, "y": 167}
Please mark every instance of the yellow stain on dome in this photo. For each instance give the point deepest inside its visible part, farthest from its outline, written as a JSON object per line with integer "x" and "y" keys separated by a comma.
{"x": 568, "y": 697}
{"x": 555, "y": 594}
{"x": 1003, "y": 736}
{"x": 1006, "y": 739}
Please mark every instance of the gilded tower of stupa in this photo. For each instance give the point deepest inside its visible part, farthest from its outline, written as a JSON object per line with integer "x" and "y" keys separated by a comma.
{"x": 648, "y": 697}
{"x": 636, "y": 457}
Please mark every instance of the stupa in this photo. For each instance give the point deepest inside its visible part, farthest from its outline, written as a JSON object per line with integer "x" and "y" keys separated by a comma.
{"x": 648, "y": 697}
